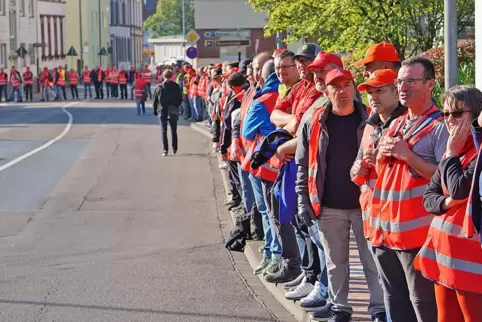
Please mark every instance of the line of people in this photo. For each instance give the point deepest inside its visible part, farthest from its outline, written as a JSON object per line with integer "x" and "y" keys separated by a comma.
{"x": 309, "y": 163}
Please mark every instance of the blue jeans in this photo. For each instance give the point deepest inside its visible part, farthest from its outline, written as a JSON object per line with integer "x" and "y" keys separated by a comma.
{"x": 323, "y": 278}
{"x": 272, "y": 245}
{"x": 140, "y": 103}
{"x": 87, "y": 88}
{"x": 3, "y": 90}
{"x": 132, "y": 90}
{"x": 19, "y": 95}
{"x": 246, "y": 189}
{"x": 197, "y": 107}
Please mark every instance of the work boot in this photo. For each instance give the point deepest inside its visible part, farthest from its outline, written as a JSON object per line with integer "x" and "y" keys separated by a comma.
{"x": 283, "y": 275}
{"x": 340, "y": 316}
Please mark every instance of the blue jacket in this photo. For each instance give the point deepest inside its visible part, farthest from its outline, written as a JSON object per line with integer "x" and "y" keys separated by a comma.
{"x": 476, "y": 208}
{"x": 257, "y": 118}
{"x": 284, "y": 187}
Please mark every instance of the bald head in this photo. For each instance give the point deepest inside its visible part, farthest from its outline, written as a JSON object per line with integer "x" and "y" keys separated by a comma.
{"x": 268, "y": 69}
{"x": 258, "y": 63}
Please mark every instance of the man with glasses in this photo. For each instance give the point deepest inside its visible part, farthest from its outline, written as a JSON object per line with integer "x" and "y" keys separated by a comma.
{"x": 398, "y": 224}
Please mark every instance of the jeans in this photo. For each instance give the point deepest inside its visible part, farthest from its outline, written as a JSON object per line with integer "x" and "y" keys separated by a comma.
{"x": 187, "y": 107}
{"x": 197, "y": 107}
{"x": 107, "y": 89}
{"x": 74, "y": 91}
{"x": 87, "y": 88}
{"x": 58, "y": 90}
{"x": 131, "y": 86}
{"x": 271, "y": 243}
{"x": 164, "y": 119}
{"x": 249, "y": 202}
{"x": 45, "y": 92}
{"x": 323, "y": 278}
{"x": 123, "y": 90}
{"x": 19, "y": 95}
{"x": 3, "y": 91}
{"x": 140, "y": 103}
{"x": 114, "y": 90}
{"x": 28, "y": 92}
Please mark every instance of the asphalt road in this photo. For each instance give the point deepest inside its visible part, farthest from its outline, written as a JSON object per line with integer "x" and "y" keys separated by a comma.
{"x": 95, "y": 225}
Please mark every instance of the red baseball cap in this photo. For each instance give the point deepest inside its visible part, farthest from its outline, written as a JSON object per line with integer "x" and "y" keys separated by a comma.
{"x": 279, "y": 51}
{"x": 379, "y": 78}
{"x": 383, "y": 51}
{"x": 323, "y": 59}
{"x": 338, "y": 74}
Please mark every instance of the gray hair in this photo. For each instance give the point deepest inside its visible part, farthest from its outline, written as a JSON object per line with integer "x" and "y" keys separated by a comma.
{"x": 468, "y": 96}
{"x": 268, "y": 69}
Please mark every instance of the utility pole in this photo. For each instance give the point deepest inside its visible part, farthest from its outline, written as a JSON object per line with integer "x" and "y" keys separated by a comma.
{"x": 183, "y": 27}
{"x": 279, "y": 43}
{"x": 81, "y": 39}
{"x": 100, "y": 35}
{"x": 450, "y": 44}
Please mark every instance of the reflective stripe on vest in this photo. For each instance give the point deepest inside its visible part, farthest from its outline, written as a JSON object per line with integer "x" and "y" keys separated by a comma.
{"x": 86, "y": 78}
{"x": 27, "y": 78}
{"x": 73, "y": 79}
{"x": 449, "y": 257}
{"x": 244, "y": 146}
{"x": 398, "y": 218}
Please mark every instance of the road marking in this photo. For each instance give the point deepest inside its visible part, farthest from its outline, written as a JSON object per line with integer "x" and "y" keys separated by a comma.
{"x": 46, "y": 145}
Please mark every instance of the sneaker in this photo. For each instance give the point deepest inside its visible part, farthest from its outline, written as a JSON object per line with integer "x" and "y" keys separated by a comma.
{"x": 340, "y": 316}
{"x": 323, "y": 314}
{"x": 164, "y": 153}
{"x": 283, "y": 275}
{"x": 273, "y": 267}
{"x": 300, "y": 291}
{"x": 264, "y": 262}
{"x": 174, "y": 151}
{"x": 312, "y": 301}
{"x": 380, "y": 317}
{"x": 223, "y": 165}
{"x": 294, "y": 283}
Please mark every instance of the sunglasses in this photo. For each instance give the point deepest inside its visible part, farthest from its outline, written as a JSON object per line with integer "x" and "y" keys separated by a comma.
{"x": 455, "y": 114}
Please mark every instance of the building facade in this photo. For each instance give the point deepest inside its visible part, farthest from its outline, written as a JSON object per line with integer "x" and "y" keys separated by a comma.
{"x": 126, "y": 32}
{"x": 88, "y": 31}
{"x": 51, "y": 33}
{"x": 18, "y": 27}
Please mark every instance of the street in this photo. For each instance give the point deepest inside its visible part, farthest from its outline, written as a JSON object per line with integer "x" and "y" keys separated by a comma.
{"x": 95, "y": 225}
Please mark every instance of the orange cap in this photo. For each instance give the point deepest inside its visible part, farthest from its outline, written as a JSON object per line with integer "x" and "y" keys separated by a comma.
{"x": 379, "y": 78}
{"x": 338, "y": 74}
{"x": 383, "y": 51}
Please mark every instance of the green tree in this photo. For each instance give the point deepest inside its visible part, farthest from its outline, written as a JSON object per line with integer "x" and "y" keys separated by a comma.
{"x": 349, "y": 25}
{"x": 167, "y": 20}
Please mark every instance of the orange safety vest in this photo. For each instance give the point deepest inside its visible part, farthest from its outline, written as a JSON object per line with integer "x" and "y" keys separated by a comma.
{"x": 449, "y": 257}
{"x": 73, "y": 79}
{"x": 114, "y": 78}
{"x": 193, "y": 87}
{"x": 398, "y": 218}
{"x": 3, "y": 79}
{"x": 243, "y": 143}
{"x": 107, "y": 76}
{"x": 28, "y": 78}
{"x": 15, "y": 82}
{"x": 202, "y": 87}
{"x": 61, "y": 80}
{"x": 86, "y": 77}
{"x": 122, "y": 78}
{"x": 269, "y": 170}
{"x": 44, "y": 78}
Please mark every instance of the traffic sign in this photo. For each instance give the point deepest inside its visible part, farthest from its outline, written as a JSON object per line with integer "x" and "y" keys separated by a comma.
{"x": 71, "y": 52}
{"x": 192, "y": 37}
{"x": 192, "y": 52}
{"x": 22, "y": 52}
{"x": 228, "y": 33}
{"x": 228, "y": 43}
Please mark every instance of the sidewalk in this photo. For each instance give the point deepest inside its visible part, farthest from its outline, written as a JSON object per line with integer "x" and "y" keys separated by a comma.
{"x": 359, "y": 294}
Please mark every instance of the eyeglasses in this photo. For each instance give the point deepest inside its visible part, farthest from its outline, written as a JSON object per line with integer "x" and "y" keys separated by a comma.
{"x": 284, "y": 67}
{"x": 409, "y": 81}
{"x": 455, "y": 114}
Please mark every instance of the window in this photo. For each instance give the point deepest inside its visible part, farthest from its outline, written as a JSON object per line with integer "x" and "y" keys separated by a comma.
{"x": 2, "y": 8}
{"x": 13, "y": 30}
{"x": 56, "y": 43}
{"x": 21, "y": 9}
{"x": 31, "y": 10}
{"x": 61, "y": 26}
{"x": 3, "y": 54}
{"x": 49, "y": 36}
{"x": 42, "y": 34}
{"x": 31, "y": 53}
{"x": 23, "y": 62}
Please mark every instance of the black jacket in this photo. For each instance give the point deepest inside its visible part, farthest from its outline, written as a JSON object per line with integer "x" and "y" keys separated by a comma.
{"x": 167, "y": 94}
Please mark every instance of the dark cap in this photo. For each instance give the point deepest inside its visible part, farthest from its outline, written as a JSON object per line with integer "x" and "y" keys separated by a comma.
{"x": 308, "y": 50}
{"x": 233, "y": 65}
{"x": 217, "y": 72}
{"x": 243, "y": 66}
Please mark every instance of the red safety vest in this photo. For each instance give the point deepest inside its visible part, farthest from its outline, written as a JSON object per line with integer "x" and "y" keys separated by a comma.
{"x": 99, "y": 74}
{"x": 449, "y": 256}
{"x": 28, "y": 78}
{"x": 147, "y": 75}
{"x": 269, "y": 170}
{"x": 13, "y": 79}
{"x": 73, "y": 79}
{"x": 243, "y": 143}
{"x": 139, "y": 88}
{"x": 159, "y": 79}
{"x": 114, "y": 78}
{"x": 122, "y": 78}
{"x": 86, "y": 77}
{"x": 193, "y": 87}
{"x": 202, "y": 87}
{"x": 3, "y": 79}
{"x": 398, "y": 218}
{"x": 44, "y": 78}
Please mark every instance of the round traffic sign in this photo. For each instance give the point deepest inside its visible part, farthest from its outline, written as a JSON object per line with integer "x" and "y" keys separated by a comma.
{"x": 191, "y": 52}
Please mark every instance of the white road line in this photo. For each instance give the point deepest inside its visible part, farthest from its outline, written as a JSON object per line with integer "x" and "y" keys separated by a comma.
{"x": 46, "y": 145}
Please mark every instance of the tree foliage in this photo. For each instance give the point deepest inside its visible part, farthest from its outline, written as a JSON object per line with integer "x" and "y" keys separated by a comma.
{"x": 349, "y": 25}
{"x": 167, "y": 20}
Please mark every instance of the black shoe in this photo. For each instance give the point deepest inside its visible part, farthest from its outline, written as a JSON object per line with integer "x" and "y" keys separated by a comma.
{"x": 174, "y": 151}
{"x": 284, "y": 275}
{"x": 380, "y": 317}
{"x": 321, "y": 314}
{"x": 340, "y": 316}
{"x": 164, "y": 154}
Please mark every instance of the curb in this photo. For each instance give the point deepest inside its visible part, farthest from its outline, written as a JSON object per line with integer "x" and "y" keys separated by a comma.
{"x": 254, "y": 257}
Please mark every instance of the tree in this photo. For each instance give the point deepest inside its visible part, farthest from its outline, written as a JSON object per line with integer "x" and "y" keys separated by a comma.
{"x": 350, "y": 25}
{"x": 167, "y": 20}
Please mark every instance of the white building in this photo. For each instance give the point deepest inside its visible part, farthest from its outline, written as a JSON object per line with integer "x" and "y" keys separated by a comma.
{"x": 126, "y": 32}
{"x": 51, "y": 32}
{"x": 18, "y": 26}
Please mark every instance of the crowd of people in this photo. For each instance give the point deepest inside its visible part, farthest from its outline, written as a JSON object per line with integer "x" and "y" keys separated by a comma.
{"x": 309, "y": 162}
